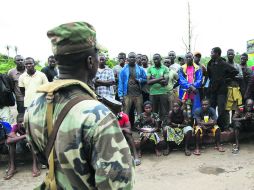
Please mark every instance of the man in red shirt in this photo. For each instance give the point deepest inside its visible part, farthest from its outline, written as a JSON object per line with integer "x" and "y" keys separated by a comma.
{"x": 124, "y": 122}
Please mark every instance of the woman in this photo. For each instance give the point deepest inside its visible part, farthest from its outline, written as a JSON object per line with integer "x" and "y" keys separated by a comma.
{"x": 147, "y": 123}
{"x": 176, "y": 128}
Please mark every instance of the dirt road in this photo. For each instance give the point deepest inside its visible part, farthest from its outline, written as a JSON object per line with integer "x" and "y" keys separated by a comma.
{"x": 212, "y": 170}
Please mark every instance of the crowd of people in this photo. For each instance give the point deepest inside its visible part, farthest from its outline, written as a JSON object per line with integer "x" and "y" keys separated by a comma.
{"x": 161, "y": 99}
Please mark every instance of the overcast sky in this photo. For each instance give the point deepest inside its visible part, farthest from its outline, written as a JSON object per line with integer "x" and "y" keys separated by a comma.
{"x": 142, "y": 26}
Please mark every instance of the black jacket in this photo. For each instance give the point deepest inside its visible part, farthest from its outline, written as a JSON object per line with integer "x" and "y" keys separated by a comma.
{"x": 220, "y": 74}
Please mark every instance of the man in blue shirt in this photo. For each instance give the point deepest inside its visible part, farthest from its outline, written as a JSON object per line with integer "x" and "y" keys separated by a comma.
{"x": 130, "y": 82}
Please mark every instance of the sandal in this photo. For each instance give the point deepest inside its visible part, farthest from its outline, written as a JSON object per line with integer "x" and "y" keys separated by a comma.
{"x": 220, "y": 148}
{"x": 137, "y": 162}
{"x": 196, "y": 152}
{"x": 235, "y": 150}
{"x": 187, "y": 152}
{"x": 36, "y": 174}
{"x": 10, "y": 175}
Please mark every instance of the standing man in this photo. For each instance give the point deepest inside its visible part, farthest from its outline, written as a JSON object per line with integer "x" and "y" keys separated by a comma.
{"x": 91, "y": 151}
{"x": 131, "y": 80}
{"x": 234, "y": 97}
{"x": 172, "y": 80}
{"x": 14, "y": 75}
{"x": 219, "y": 72}
{"x": 104, "y": 79}
{"x": 172, "y": 57}
{"x": 145, "y": 88}
{"x": 247, "y": 73}
{"x": 190, "y": 79}
{"x": 30, "y": 80}
{"x": 157, "y": 78}
{"x": 50, "y": 70}
{"x": 139, "y": 59}
{"x": 197, "y": 58}
{"x": 117, "y": 69}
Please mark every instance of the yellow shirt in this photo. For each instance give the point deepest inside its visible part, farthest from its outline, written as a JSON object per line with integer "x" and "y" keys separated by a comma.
{"x": 31, "y": 83}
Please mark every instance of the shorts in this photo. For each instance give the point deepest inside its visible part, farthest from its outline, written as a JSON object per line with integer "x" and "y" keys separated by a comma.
{"x": 213, "y": 130}
{"x": 234, "y": 98}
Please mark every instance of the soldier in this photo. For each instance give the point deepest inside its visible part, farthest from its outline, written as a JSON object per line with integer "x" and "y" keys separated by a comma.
{"x": 90, "y": 151}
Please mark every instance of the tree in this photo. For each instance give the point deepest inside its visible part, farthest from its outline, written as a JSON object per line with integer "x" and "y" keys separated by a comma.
{"x": 8, "y": 50}
{"x": 16, "y": 50}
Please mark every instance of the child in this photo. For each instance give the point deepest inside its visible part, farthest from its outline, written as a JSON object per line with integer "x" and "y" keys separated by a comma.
{"x": 206, "y": 120}
{"x": 147, "y": 123}
{"x": 177, "y": 128}
{"x": 125, "y": 125}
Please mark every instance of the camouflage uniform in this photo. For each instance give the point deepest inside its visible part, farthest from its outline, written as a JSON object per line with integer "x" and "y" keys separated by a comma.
{"x": 90, "y": 148}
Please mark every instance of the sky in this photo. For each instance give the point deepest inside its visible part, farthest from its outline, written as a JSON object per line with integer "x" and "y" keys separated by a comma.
{"x": 142, "y": 26}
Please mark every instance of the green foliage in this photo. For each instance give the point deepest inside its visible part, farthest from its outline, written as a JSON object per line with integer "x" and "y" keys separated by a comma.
{"x": 110, "y": 62}
{"x": 7, "y": 63}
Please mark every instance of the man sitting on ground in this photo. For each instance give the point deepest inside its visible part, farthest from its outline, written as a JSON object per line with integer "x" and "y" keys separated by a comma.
{"x": 243, "y": 119}
{"x": 206, "y": 120}
{"x": 18, "y": 135}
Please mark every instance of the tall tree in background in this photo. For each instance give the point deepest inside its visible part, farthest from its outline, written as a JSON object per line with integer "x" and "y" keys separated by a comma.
{"x": 189, "y": 40}
{"x": 8, "y": 47}
{"x": 16, "y": 50}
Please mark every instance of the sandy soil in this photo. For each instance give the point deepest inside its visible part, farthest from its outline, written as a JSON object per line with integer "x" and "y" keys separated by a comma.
{"x": 211, "y": 170}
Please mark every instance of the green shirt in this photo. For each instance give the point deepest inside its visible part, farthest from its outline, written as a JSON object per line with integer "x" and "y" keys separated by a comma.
{"x": 172, "y": 79}
{"x": 155, "y": 72}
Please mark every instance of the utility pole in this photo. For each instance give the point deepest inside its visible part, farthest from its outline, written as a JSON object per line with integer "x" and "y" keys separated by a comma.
{"x": 189, "y": 28}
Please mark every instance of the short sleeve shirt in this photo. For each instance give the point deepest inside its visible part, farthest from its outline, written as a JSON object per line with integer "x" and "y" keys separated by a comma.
{"x": 105, "y": 74}
{"x": 31, "y": 83}
{"x": 14, "y": 75}
{"x": 199, "y": 114}
{"x": 154, "y": 72}
{"x": 124, "y": 120}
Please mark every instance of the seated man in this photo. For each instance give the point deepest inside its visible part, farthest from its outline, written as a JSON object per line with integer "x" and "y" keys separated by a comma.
{"x": 177, "y": 128}
{"x": 18, "y": 134}
{"x": 124, "y": 122}
{"x": 206, "y": 120}
{"x": 147, "y": 123}
{"x": 243, "y": 119}
{"x": 5, "y": 129}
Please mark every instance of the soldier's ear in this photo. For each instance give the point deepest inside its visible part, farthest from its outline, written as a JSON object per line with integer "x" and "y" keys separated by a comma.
{"x": 89, "y": 62}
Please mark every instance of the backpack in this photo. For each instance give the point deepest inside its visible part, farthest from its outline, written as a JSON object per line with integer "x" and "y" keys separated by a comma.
{"x": 7, "y": 97}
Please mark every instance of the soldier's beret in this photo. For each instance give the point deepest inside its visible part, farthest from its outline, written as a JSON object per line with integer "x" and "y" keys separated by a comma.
{"x": 74, "y": 37}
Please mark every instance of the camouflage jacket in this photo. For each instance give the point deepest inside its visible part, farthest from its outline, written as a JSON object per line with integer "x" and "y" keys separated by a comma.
{"x": 91, "y": 150}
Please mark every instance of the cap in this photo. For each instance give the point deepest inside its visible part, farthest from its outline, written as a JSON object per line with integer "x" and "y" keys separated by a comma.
{"x": 197, "y": 53}
{"x": 74, "y": 37}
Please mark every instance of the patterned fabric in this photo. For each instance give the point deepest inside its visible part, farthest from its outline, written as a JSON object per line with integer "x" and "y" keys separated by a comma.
{"x": 105, "y": 75}
{"x": 212, "y": 130}
{"x": 143, "y": 121}
{"x": 91, "y": 150}
{"x": 175, "y": 135}
{"x": 74, "y": 37}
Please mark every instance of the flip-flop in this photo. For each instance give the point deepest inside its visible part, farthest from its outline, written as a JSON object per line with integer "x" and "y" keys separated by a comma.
{"x": 9, "y": 176}
{"x": 220, "y": 148}
{"x": 187, "y": 152}
{"x": 196, "y": 152}
{"x": 166, "y": 152}
{"x": 137, "y": 162}
{"x": 36, "y": 174}
{"x": 235, "y": 150}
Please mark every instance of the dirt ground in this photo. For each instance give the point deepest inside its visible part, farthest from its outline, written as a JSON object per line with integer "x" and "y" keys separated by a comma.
{"x": 211, "y": 170}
